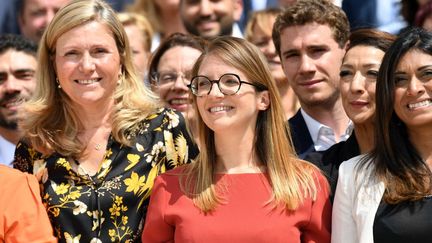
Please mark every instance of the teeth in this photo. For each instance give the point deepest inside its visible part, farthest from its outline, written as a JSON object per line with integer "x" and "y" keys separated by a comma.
{"x": 179, "y": 101}
{"x": 88, "y": 81}
{"x": 220, "y": 108}
{"x": 420, "y": 104}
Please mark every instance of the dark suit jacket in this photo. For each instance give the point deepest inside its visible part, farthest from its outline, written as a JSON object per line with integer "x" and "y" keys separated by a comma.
{"x": 330, "y": 160}
{"x": 300, "y": 135}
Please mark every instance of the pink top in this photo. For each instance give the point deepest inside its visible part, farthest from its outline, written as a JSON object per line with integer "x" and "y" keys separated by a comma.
{"x": 244, "y": 217}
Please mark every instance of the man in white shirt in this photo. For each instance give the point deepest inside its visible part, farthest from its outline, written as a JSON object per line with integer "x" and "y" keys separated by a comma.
{"x": 211, "y": 18}
{"x": 17, "y": 83}
{"x": 311, "y": 37}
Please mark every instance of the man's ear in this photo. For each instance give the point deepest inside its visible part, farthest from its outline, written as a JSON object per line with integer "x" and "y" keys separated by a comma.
{"x": 238, "y": 9}
{"x": 264, "y": 100}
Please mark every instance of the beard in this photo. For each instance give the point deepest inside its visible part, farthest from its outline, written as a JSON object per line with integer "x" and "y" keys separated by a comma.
{"x": 10, "y": 124}
{"x": 226, "y": 29}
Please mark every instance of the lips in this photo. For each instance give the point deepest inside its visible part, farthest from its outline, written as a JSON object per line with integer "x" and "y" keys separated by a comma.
{"x": 11, "y": 101}
{"x": 310, "y": 83}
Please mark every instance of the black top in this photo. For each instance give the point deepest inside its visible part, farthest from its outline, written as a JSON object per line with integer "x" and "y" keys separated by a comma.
{"x": 404, "y": 222}
{"x": 330, "y": 160}
{"x": 111, "y": 205}
{"x": 300, "y": 135}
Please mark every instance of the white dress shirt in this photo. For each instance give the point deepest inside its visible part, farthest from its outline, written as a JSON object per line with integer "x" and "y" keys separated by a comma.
{"x": 323, "y": 136}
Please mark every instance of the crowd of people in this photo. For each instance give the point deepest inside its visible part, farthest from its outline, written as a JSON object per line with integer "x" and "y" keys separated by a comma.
{"x": 215, "y": 121}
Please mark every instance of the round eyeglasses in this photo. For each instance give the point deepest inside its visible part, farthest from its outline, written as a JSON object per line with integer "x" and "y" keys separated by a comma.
{"x": 228, "y": 84}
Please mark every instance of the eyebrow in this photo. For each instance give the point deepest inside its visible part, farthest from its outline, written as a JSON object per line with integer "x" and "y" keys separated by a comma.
{"x": 424, "y": 67}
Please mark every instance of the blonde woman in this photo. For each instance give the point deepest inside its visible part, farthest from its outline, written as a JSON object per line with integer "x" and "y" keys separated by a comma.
{"x": 246, "y": 185}
{"x": 95, "y": 136}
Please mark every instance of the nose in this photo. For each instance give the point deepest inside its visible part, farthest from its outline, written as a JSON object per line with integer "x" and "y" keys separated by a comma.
{"x": 11, "y": 85}
{"x": 415, "y": 87}
{"x": 181, "y": 82}
{"x": 205, "y": 8}
{"x": 269, "y": 50}
{"x": 215, "y": 91}
{"x": 307, "y": 65}
{"x": 87, "y": 63}
{"x": 357, "y": 85}
{"x": 49, "y": 16}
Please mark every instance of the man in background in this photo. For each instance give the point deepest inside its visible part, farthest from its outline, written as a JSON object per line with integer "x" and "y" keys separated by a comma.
{"x": 35, "y": 15}
{"x": 211, "y": 18}
{"x": 17, "y": 83}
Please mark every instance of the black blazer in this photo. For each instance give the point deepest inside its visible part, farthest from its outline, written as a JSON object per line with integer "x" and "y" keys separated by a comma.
{"x": 300, "y": 135}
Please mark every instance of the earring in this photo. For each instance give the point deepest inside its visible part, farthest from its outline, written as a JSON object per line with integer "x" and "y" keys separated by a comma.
{"x": 58, "y": 83}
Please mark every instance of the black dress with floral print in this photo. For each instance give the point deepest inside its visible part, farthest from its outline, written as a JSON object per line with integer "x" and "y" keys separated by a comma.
{"x": 111, "y": 205}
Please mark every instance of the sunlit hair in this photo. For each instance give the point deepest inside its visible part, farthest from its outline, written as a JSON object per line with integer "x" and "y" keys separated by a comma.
{"x": 261, "y": 19}
{"x": 140, "y": 21}
{"x": 395, "y": 160}
{"x": 292, "y": 179}
{"x": 149, "y": 9}
{"x": 322, "y": 12}
{"x": 51, "y": 122}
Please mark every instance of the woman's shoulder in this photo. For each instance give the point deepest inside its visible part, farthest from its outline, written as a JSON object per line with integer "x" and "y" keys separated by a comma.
{"x": 164, "y": 116}
{"x": 10, "y": 178}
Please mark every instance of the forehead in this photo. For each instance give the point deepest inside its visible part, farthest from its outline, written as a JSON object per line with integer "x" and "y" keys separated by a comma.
{"x": 298, "y": 36}
{"x": 214, "y": 66}
{"x": 183, "y": 56}
{"x": 225, "y": 3}
{"x": 17, "y": 60}
{"x": 414, "y": 59}
{"x": 363, "y": 53}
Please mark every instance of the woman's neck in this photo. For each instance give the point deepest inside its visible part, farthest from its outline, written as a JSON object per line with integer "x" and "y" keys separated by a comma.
{"x": 365, "y": 137}
{"x": 235, "y": 153}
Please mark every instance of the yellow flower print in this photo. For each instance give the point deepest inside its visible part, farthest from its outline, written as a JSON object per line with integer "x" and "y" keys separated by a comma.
{"x": 55, "y": 212}
{"x": 125, "y": 220}
{"x": 75, "y": 194}
{"x": 64, "y": 163}
{"x": 169, "y": 146}
{"x": 118, "y": 200}
{"x": 134, "y": 183}
{"x": 115, "y": 210}
{"x": 60, "y": 189}
{"x": 112, "y": 232}
{"x": 133, "y": 159}
{"x": 95, "y": 240}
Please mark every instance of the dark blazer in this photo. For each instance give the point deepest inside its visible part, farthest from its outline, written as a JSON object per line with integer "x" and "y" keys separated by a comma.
{"x": 300, "y": 135}
{"x": 330, "y": 160}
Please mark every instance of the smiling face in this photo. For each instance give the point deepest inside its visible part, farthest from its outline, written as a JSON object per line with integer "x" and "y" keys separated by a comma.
{"x": 311, "y": 60}
{"x": 210, "y": 18}
{"x": 178, "y": 59}
{"x": 225, "y": 113}
{"x": 88, "y": 65}
{"x": 17, "y": 81}
{"x": 413, "y": 89}
{"x": 358, "y": 74}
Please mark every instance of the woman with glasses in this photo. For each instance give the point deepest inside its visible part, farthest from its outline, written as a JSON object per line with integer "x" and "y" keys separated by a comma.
{"x": 170, "y": 70}
{"x": 94, "y": 135}
{"x": 246, "y": 185}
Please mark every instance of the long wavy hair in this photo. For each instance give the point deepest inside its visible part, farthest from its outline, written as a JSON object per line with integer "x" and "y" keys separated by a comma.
{"x": 51, "y": 123}
{"x": 291, "y": 179}
{"x": 395, "y": 160}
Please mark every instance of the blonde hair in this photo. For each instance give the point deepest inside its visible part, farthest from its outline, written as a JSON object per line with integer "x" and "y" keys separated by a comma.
{"x": 263, "y": 19}
{"x": 291, "y": 179}
{"x": 143, "y": 25}
{"x": 51, "y": 123}
{"x": 149, "y": 9}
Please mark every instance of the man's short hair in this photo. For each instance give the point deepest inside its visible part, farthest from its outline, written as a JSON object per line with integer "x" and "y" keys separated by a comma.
{"x": 304, "y": 12}
{"x": 18, "y": 43}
